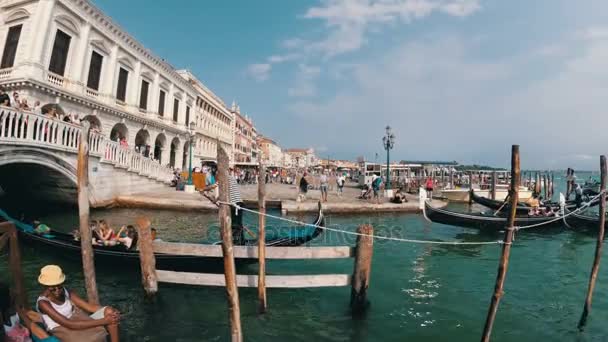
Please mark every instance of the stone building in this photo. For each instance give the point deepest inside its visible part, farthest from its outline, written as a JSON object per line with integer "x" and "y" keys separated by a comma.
{"x": 245, "y": 136}
{"x": 271, "y": 153}
{"x": 300, "y": 157}
{"x": 69, "y": 54}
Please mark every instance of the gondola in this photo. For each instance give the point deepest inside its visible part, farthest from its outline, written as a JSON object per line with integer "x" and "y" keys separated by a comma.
{"x": 63, "y": 244}
{"x": 522, "y": 208}
{"x": 484, "y": 222}
{"x": 581, "y": 221}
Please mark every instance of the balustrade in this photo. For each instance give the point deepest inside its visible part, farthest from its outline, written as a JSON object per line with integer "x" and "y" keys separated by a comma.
{"x": 17, "y": 127}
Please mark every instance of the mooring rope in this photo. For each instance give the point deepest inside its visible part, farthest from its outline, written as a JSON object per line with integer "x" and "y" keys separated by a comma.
{"x": 380, "y": 237}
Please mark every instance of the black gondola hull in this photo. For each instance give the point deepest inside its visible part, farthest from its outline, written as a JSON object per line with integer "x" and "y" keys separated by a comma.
{"x": 484, "y": 222}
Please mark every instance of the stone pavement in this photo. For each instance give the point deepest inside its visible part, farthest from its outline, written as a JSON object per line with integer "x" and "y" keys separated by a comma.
{"x": 283, "y": 193}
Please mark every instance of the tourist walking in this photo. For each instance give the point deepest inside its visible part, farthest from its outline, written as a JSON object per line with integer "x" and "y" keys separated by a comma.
{"x": 341, "y": 180}
{"x": 324, "y": 186}
{"x": 429, "y": 188}
{"x": 303, "y": 188}
{"x": 376, "y": 183}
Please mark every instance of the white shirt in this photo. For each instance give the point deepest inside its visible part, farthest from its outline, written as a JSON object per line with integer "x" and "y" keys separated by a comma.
{"x": 66, "y": 310}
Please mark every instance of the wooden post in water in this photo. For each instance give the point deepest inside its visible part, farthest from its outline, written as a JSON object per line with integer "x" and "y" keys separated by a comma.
{"x": 598, "y": 248}
{"x": 362, "y": 271}
{"x": 552, "y": 185}
{"x": 146, "y": 257}
{"x": 506, "y": 247}
{"x": 545, "y": 185}
{"x": 8, "y": 234}
{"x": 262, "y": 303}
{"x": 494, "y": 185}
{"x": 537, "y": 187}
{"x": 86, "y": 236}
{"x": 470, "y": 187}
{"x": 451, "y": 178}
{"x": 227, "y": 251}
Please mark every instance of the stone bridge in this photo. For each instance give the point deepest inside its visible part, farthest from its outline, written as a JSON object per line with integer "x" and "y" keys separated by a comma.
{"x": 38, "y": 157}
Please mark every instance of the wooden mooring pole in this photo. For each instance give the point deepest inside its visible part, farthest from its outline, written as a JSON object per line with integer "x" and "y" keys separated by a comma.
{"x": 506, "y": 248}
{"x": 598, "y": 248}
{"x": 545, "y": 186}
{"x": 470, "y": 187}
{"x": 8, "y": 235}
{"x": 537, "y": 187}
{"x": 146, "y": 257}
{"x": 227, "y": 248}
{"x": 86, "y": 236}
{"x": 493, "y": 185}
{"x": 262, "y": 303}
{"x": 552, "y": 185}
{"x": 362, "y": 271}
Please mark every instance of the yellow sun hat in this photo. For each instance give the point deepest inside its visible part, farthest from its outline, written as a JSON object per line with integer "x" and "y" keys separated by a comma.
{"x": 51, "y": 275}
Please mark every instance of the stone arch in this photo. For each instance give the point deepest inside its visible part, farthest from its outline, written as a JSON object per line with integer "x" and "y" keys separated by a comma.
{"x": 142, "y": 142}
{"x": 49, "y": 107}
{"x": 119, "y": 131}
{"x": 159, "y": 146}
{"x": 94, "y": 120}
{"x": 175, "y": 144}
{"x": 49, "y": 176}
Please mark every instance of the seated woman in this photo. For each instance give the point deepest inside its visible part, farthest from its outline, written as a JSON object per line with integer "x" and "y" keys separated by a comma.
{"x": 127, "y": 236}
{"x": 107, "y": 234}
{"x": 63, "y": 312}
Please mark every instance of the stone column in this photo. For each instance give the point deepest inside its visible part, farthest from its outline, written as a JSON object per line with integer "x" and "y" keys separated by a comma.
{"x": 80, "y": 56}
{"x": 153, "y": 95}
{"x": 169, "y": 98}
{"x": 134, "y": 85}
{"x": 40, "y": 37}
{"x": 109, "y": 74}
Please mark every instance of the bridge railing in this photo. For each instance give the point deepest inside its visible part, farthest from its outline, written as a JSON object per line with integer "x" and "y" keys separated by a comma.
{"x": 25, "y": 128}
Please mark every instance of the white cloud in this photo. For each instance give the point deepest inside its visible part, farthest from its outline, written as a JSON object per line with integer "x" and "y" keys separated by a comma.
{"x": 260, "y": 72}
{"x": 349, "y": 21}
{"x": 438, "y": 97}
{"x": 304, "y": 85}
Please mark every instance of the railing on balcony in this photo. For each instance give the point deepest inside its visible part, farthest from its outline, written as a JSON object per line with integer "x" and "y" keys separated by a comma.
{"x": 91, "y": 92}
{"x": 25, "y": 128}
{"x": 55, "y": 79}
{"x": 5, "y": 73}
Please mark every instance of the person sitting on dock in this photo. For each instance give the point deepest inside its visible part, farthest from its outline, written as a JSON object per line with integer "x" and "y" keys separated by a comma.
{"x": 211, "y": 190}
{"x": 398, "y": 197}
{"x": 63, "y": 311}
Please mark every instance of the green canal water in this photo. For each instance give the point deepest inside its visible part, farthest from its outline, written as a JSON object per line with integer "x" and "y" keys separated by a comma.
{"x": 417, "y": 292}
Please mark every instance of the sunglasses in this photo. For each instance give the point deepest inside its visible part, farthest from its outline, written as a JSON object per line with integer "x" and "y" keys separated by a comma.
{"x": 55, "y": 288}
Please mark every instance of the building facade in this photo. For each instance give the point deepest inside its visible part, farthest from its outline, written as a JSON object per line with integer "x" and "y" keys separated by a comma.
{"x": 270, "y": 152}
{"x": 300, "y": 157}
{"x": 69, "y": 54}
{"x": 245, "y": 135}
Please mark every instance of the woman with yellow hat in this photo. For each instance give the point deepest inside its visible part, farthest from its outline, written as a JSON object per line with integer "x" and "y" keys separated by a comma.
{"x": 63, "y": 312}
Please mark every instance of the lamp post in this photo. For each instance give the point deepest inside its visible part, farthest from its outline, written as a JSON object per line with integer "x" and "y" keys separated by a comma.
{"x": 189, "y": 185}
{"x": 388, "y": 141}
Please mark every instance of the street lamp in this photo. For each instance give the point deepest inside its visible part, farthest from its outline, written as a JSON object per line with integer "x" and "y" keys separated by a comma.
{"x": 191, "y": 131}
{"x": 388, "y": 141}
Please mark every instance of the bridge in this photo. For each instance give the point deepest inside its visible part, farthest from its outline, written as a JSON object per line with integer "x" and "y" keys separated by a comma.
{"x": 38, "y": 157}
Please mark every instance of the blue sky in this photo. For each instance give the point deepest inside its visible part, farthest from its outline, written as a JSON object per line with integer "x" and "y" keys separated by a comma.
{"x": 456, "y": 79}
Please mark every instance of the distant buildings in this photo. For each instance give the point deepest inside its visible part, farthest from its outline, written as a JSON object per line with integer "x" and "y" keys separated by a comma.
{"x": 271, "y": 153}
{"x": 245, "y": 136}
{"x": 300, "y": 157}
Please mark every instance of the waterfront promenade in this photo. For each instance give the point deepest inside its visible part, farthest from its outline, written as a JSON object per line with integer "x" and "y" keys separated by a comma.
{"x": 285, "y": 194}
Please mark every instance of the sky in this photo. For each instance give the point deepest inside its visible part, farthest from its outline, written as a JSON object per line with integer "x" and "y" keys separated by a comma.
{"x": 455, "y": 79}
